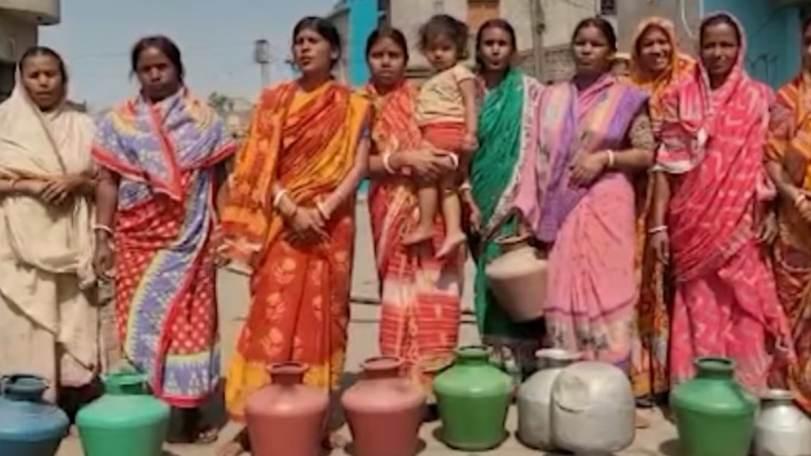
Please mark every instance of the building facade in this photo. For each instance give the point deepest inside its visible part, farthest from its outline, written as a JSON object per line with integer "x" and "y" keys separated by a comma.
{"x": 19, "y": 21}
{"x": 772, "y": 29}
{"x": 539, "y": 24}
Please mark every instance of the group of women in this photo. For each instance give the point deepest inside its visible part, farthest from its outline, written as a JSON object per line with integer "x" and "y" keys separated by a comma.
{"x": 673, "y": 207}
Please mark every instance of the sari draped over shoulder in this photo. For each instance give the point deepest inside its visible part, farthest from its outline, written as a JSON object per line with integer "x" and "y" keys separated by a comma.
{"x": 789, "y": 144}
{"x": 50, "y": 325}
{"x": 165, "y": 154}
{"x": 725, "y": 298}
{"x": 508, "y": 139}
{"x": 591, "y": 230}
{"x": 649, "y": 373}
{"x": 306, "y": 143}
{"x": 420, "y": 294}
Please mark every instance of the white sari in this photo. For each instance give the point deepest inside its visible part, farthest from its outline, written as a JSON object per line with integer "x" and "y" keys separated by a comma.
{"x": 49, "y": 324}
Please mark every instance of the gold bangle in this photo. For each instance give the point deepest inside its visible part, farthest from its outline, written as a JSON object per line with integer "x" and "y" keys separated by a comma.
{"x": 387, "y": 163}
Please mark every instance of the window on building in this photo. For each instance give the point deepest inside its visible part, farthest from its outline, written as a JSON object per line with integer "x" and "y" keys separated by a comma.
{"x": 6, "y": 80}
{"x": 608, "y": 7}
{"x": 481, "y": 11}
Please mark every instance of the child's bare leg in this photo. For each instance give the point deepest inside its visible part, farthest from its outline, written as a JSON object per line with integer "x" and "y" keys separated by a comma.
{"x": 428, "y": 199}
{"x": 452, "y": 214}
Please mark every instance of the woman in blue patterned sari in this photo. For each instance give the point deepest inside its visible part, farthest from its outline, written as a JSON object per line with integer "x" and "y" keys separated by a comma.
{"x": 159, "y": 155}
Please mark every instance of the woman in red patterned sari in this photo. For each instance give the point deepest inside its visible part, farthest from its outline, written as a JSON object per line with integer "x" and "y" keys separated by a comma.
{"x": 420, "y": 293}
{"x": 705, "y": 213}
{"x": 159, "y": 154}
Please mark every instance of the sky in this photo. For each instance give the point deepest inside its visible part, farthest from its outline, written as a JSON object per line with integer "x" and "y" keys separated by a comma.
{"x": 215, "y": 37}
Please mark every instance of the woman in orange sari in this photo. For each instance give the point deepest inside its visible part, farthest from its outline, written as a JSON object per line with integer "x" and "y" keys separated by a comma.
{"x": 656, "y": 64}
{"x": 788, "y": 154}
{"x": 421, "y": 294}
{"x": 290, "y": 216}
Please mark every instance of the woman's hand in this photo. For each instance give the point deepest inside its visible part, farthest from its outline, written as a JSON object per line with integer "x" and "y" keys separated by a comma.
{"x": 427, "y": 164}
{"x": 767, "y": 229}
{"x": 587, "y": 167}
{"x": 104, "y": 259}
{"x": 218, "y": 244}
{"x": 307, "y": 226}
{"x": 473, "y": 211}
{"x": 802, "y": 202}
{"x": 58, "y": 190}
{"x": 660, "y": 244}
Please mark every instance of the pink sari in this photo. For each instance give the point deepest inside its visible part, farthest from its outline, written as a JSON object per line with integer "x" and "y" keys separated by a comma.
{"x": 725, "y": 300}
{"x": 592, "y": 231}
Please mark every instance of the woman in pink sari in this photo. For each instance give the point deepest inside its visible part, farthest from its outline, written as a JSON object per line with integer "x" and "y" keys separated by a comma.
{"x": 595, "y": 135}
{"x": 709, "y": 173}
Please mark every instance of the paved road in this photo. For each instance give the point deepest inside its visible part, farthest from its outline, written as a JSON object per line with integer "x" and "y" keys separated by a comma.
{"x": 658, "y": 440}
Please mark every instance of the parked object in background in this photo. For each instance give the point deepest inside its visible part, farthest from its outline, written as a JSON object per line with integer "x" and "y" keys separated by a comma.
{"x": 518, "y": 279}
{"x": 126, "y": 421}
{"x": 473, "y": 397}
{"x": 593, "y": 409}
{"x": 714, "y": 415}
{"x": 535, "y": 398}
{"x": 781, "y": 429}
{"x": 287, "y": 418}
{"x": 384, "y": 410}
{"x": 28, "y": 425}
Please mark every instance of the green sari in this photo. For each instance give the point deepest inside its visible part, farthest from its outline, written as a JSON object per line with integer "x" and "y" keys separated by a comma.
{"x": 508, "y": 125}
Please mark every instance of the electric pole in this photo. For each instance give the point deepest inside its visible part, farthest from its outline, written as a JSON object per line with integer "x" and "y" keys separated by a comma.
{"x": 261, "y": 55}
{"x": 538, "y": 22}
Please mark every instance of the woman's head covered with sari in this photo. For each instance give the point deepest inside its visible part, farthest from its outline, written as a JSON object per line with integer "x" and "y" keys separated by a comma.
{"x": 44, "y": 137}
{"x": 42, "y": 76}
{"x": 656, "y": 60}
{"x": 707, "y": 103}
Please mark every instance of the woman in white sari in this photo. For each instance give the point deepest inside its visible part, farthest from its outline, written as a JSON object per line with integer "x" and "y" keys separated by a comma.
{"x": 49, "y": 323}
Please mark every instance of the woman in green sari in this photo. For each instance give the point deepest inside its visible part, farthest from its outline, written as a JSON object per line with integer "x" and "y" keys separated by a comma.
{"x": 508, "y": 139}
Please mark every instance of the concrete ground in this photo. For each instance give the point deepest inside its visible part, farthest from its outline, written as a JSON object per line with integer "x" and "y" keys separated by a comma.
{"x": 659, "y": 439}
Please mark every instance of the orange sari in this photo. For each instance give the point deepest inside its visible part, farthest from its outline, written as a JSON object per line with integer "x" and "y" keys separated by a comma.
{"x": 300, "y": 295}
{"x": 789, "y": 145}
{"x": 650, "y": 352}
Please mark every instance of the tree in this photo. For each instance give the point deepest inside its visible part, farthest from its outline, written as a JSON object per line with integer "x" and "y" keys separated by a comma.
{"x": 221, "y": 103}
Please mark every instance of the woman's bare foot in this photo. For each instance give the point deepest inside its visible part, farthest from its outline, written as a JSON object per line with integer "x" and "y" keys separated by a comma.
{"x": 239, "y": 445}
{"x": 452, "y": 242}
{"x": 335, "y": 441}
{"x": 642, "y": 421}
{"x": 231, "y": 448}
{"x": 419, "y": 235}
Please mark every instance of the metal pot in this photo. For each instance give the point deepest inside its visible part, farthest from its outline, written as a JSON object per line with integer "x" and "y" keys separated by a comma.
{"x": 781, "y": 428}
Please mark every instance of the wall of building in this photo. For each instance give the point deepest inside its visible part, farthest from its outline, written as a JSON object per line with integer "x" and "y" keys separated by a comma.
{"x": 408, "y": 16}
{"x": 340, "y": 19}
{"x": 15, "y": 37}
{"x": 685, "y": 14}
{"x": 773, "y": 37}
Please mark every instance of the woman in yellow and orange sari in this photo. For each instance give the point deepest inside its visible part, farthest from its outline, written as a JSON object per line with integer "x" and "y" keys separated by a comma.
{"x": 656, "y": 64}
{"x": 788, "y": 154}
{"x": 290, "y": 216}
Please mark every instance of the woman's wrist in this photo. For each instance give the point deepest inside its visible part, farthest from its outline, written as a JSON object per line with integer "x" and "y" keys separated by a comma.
{"x": 394, "y": 161}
